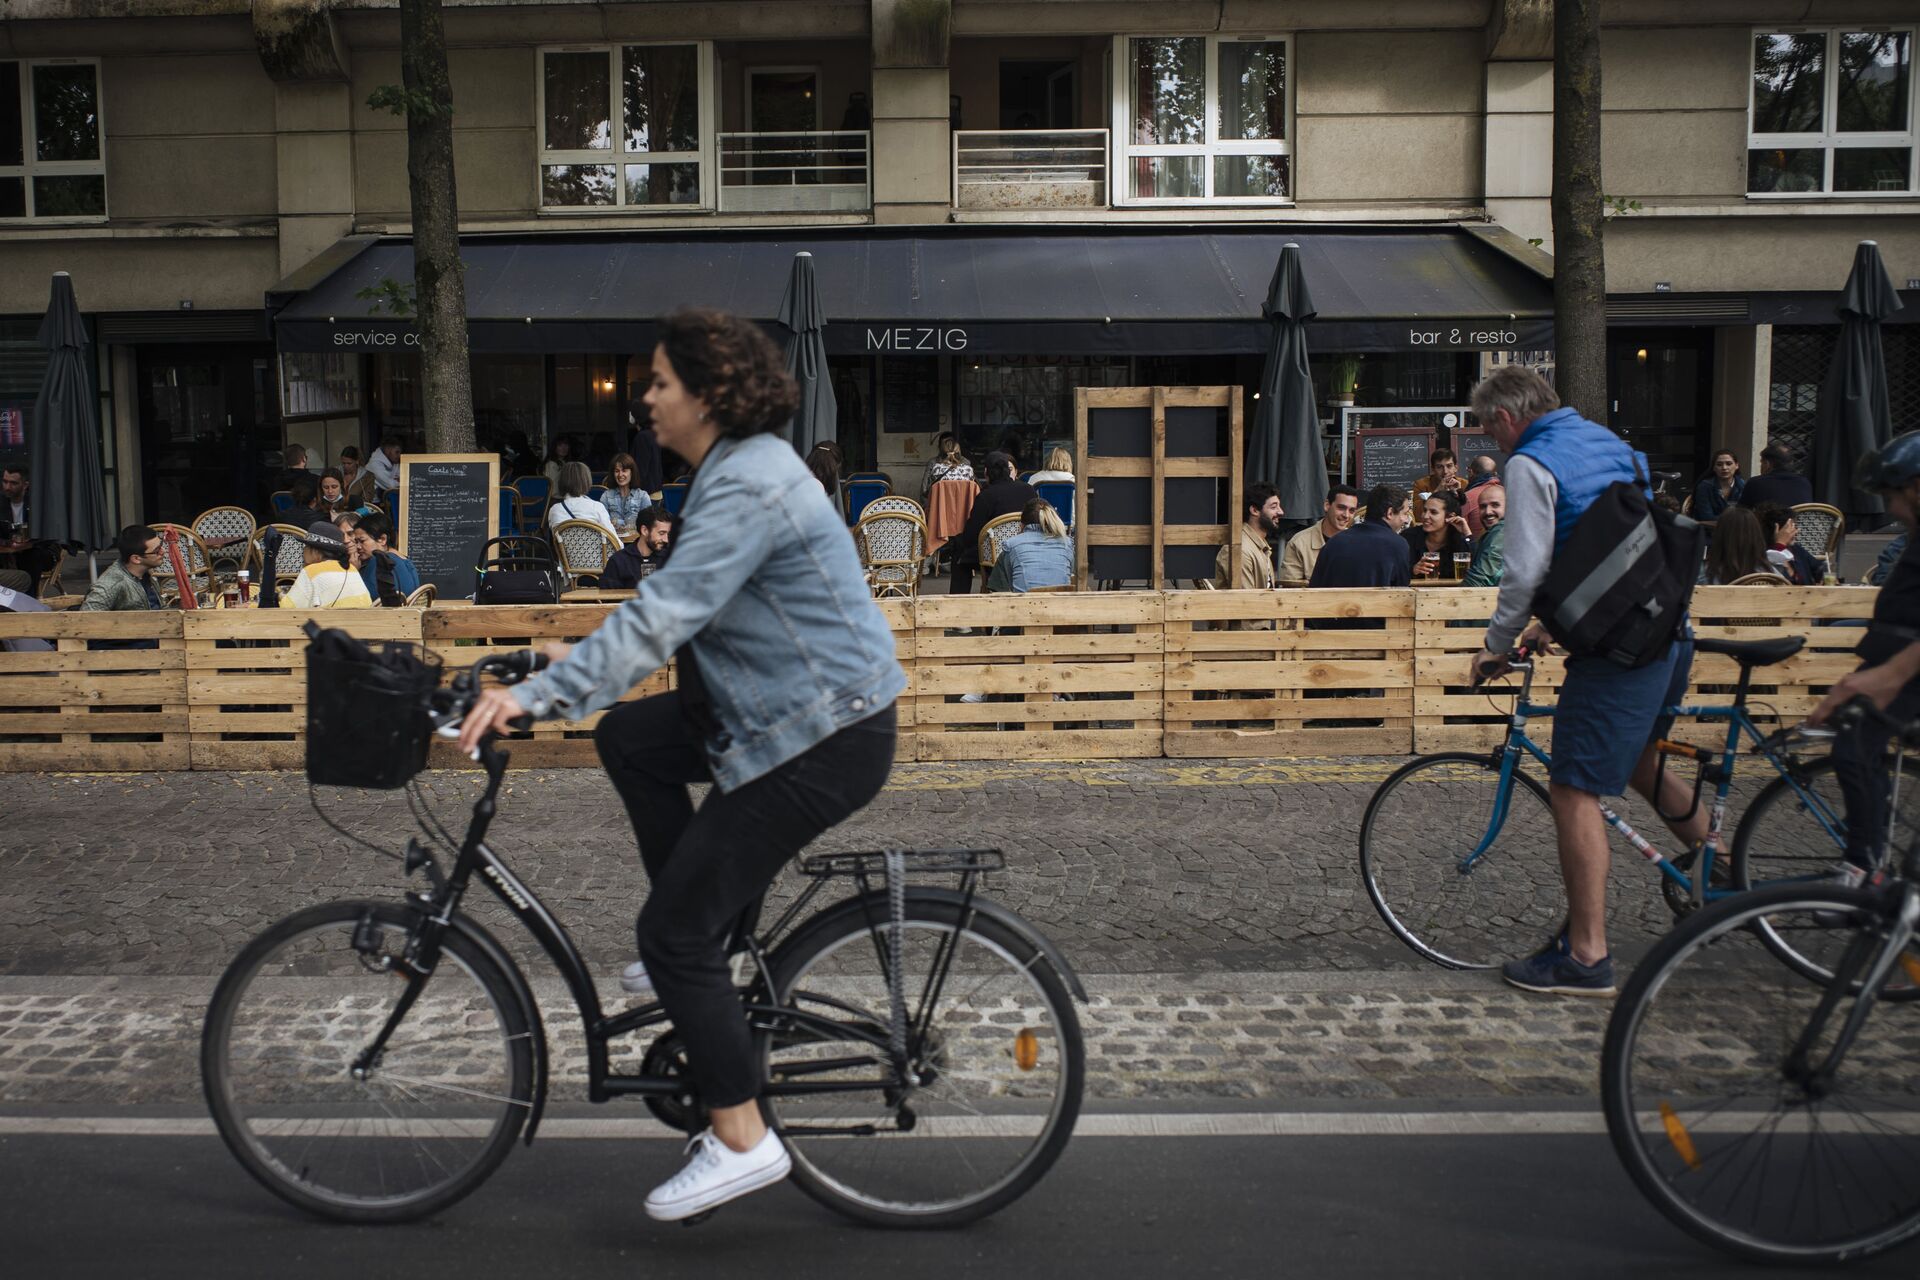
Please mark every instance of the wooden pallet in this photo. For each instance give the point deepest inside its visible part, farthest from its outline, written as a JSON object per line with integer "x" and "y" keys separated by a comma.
{"x": 1304, "y": 673}
{"x": 84, "y": 706}
{"x": 1067, "y": 676}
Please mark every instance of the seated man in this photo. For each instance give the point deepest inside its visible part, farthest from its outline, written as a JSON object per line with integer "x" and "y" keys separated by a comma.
{"x": 1489, "y": 557}
{"x": 126, "y": 584}
{"x": 1372, "y": 553}
{"x": 1303, "y": 548}
{"x": 1443, "y": 474}
{"x": 389, "y": 576}
{"x": 326, "y": 581}
{"x": 1040, "y": 555}
{"x": 1260, "y": 515}
{"x": 653, "y": 534}
{"x": 306, "y": 504}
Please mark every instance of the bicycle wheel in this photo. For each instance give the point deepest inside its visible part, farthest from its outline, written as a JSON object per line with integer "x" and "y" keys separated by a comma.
{"x": 997, "y": 1046}
{"x": 1706, "y": 1108}
{"x": 1416, "y": 837}
{"x": 1783, "y": 838}
{"x": 433, "y": 1117}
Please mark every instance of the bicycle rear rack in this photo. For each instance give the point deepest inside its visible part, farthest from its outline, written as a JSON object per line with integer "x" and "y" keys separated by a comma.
{"x": 912, "y": 861}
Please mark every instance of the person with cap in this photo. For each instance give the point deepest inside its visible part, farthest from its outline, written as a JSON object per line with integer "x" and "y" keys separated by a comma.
{"x": 1889, "y": 673}
{"x": 326, "y": 581}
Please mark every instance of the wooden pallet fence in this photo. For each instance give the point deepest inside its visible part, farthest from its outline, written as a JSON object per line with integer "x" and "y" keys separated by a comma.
{"x": 1260, "y": 673}
{"x": 110, "y": 693}
{"x": 1449, "y": 714}
{"x": 461, "y": 637}
{"x": 247, "y": 679}
{"x": 900, "y": 620}
{"x": 1065, "y": 677}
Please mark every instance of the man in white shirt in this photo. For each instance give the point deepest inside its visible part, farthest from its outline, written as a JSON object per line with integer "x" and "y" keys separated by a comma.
{"x": 385, "y": 463}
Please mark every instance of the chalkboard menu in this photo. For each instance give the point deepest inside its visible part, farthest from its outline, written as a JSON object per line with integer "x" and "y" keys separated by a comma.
{"x": 1468, "y": 445}
{"x": 909, "y": 396}
{"x": 1393, "y": 455}
{"x": 449, "y": 507}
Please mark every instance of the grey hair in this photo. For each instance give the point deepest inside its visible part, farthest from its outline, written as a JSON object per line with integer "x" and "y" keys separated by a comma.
{"x": 1524, "y": 394}
{"x": 575, "y": 479}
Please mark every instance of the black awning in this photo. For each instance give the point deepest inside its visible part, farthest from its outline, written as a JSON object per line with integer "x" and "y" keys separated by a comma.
{"x": 1168, "y": 291}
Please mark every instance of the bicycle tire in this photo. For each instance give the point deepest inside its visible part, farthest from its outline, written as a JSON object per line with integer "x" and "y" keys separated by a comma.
{"x": 1462, "y": 934}
{"x": 1686, "y": 1030}
{"x": 265, "y": 1097}
{"x": 978, "y": 1102}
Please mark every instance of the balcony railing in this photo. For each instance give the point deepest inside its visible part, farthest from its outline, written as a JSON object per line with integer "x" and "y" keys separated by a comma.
{"x": 796, "y": 172}
{"x": 1030, "y": 169}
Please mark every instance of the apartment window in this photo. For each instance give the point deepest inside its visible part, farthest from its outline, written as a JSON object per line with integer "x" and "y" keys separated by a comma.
{"x": 624, "y": 127}
{"x": 1832, "y": 113}
{"x": 51, "y": 161}
{"x": 1204, "y": 118}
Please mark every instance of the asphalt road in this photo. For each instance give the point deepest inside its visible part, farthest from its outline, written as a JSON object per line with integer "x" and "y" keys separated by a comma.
{"x": 1115, "y": 1207}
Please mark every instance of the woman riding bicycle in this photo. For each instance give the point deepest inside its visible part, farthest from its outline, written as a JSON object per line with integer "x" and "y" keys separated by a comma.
{"x": 787, "y": 682}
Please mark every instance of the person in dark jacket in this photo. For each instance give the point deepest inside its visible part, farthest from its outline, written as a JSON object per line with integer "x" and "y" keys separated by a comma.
{"x": 306, "y": 504}
{"x": 1802, "y": 567}
{"x": 1372, "y": 553}
{"x": 652, "y": 535}
{"x": 1721, "y": 488}
{"x": 1775, "y": 483}
{"x": 1005, "y": 494}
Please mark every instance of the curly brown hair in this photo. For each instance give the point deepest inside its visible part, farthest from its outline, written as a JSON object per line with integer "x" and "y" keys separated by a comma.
{"x": 729, "y": 362}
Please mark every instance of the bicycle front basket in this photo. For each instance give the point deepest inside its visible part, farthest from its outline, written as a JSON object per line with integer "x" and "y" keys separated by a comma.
{"x": 367, "y": 711}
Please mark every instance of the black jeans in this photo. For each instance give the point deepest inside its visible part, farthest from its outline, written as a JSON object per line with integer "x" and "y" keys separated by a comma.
{"x": 708, "y": 866}
{"x": 1860, "y": 767}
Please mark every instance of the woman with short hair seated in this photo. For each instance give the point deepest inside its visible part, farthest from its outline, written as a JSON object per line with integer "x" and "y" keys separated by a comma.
{"x": 574, "y": 504}
{"x": 326, "y": 581}
{"x": 1040, "y": 555}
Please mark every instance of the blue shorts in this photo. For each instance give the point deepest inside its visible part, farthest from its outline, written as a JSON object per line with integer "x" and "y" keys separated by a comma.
{"x": 1607, "y": 715}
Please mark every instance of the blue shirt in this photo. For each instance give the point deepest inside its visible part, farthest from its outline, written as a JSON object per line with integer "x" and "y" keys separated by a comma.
{"x": 406, "y": 578}
{"x": 1370, "y": 554}
{"x": 625, "y": 511}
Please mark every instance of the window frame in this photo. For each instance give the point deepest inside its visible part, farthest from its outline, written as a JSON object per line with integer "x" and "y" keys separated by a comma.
{"x": 704, "y": 156}
{"x": 1212, "y": 146}
{"x": 1828, "y": 139}
{"x": 31, "y": 168}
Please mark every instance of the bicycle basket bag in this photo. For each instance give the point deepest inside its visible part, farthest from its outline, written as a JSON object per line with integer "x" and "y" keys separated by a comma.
{"x": 517, "y": 570}
{"x": 1623, "y": 581}
{"x": 367, "y": 710}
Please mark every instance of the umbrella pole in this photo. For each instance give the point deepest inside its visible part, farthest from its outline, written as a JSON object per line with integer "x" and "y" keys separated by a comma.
{"x": 93, "y": 567}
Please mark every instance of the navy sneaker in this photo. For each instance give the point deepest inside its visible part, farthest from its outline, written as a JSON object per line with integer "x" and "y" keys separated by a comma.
{"x": 1553, "y": 971}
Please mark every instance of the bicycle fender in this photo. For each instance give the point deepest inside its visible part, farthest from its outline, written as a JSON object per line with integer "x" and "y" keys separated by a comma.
{"x": 475, "y": 933}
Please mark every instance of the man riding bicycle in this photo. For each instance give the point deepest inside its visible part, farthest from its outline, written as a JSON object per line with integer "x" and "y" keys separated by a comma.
{"x": 787, "y": 684}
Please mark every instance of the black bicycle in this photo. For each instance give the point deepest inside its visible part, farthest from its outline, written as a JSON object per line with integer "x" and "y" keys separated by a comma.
{"x": 920, "y": 1050}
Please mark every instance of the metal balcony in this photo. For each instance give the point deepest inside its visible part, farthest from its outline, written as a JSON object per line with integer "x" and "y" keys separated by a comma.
{"x": 818, "y": 172}
{"x": 1030, "y": 169}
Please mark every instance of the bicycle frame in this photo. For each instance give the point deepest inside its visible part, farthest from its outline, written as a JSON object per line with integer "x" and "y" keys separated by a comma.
{"x": 1719, "y": 769}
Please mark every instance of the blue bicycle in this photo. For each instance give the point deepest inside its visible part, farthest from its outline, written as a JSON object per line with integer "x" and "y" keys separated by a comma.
{"x": 1457, "y": 848}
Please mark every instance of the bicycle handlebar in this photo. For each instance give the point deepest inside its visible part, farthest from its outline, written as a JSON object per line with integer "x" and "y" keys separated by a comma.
{"x": 1861, "y": 710}
{"x": 1520, "y": 659}
{"x": 452, "y": 704}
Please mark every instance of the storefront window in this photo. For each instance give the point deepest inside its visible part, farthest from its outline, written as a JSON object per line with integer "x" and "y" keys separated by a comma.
{"x": 1832, "y": 113}
{"x": 1024, "y": 404}
{"x": 508, "y": 401}
{"x": 1204, "y": 117}
{"x": 650, "y": 98}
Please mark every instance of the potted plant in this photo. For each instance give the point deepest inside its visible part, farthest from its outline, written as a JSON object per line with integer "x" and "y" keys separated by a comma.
{"x": 1346, "y": 374}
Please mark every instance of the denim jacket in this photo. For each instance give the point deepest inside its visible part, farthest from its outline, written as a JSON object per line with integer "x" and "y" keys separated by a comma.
{"x": 764, "y": 584}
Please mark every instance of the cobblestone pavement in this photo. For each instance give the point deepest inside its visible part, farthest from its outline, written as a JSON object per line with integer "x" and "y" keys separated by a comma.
{"x": 1145, "y": 867}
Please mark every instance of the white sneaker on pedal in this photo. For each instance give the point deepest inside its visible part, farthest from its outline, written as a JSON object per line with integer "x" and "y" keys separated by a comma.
{"x": 634, "y": 980}
{"x": 715, "y": 1173}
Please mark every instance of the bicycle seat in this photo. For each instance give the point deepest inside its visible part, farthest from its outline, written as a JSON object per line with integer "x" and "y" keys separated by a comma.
{"x": 1753, "y": 653}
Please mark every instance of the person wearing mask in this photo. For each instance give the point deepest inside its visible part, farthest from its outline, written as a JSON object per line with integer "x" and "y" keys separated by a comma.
{"x": 306, "y": 504}
{"x": 389, "y": 576}
{"x": 333, "y": 490}
{"x": 127, "y": 583}
{"x": 786, "y": 704}
{"x": 384, "y": 465}
{"x": 1489, "y": 559}
{"x": 327, "y": 580}
{"x": 1443, "y": 475}
{"x": 1005, "y": 494}
{"x": 1040, "y": 555}
{"x": 1723, "y": 486}
{"x": 624, "y": 499}
{"x": 1738, "y": 548}
{"x": 1303, "y": 548}
{"x": 1438, "y": 538}
{"x": 950, "y": 464}
{"x": 1372, "y": 553}
{"x": 1607, "y": 717}
{"x": 652, "y": 538}
{"x": 1777, "y": 482}
{"x": 572, "y": 503}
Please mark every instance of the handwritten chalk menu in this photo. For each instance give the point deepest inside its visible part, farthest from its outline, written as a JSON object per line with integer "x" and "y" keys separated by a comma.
{"x": 449, "y": 507}
{"x": 1468, "y": 445}
{"x": 1393, "y": 455}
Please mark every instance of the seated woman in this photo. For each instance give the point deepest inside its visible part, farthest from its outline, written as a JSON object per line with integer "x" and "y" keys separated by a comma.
{"x": 326, "y": 581}
{"x": 1789, "y": 559}
{"x": 624, "y": 500}
{"x": 1441, "y": 534}
{"x": 950, "y": 465}
{"x": 1059, "y": 469}
{"x": 574, "y": 504}
{"x": 1738, "y": 548}
{"x": 389, "y": 576}
{"x": 1719, "y": 489}
{"x": 1040, "y": 555}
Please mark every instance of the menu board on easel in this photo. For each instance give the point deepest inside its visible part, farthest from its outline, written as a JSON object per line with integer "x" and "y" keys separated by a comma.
{"x": 909, "y": 396}
{"x": 449, "y": 507}
{"x": 1393, "y": 455}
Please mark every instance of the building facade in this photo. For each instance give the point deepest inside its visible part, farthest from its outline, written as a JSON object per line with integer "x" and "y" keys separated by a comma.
{"x": 1005, "y": 201}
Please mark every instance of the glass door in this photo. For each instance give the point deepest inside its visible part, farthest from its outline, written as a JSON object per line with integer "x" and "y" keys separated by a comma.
{"x": 1660, "y": 396}
{"x": 207, "y": 422}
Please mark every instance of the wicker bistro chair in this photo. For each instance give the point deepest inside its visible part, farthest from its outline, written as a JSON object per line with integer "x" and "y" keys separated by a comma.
{"x": 895, "y": 504}
{"x": 200, "y": 576}
{"x": 423, "y": 596}
{"x": 584, "y": 548}
{"x": 1822, "y": 530}
{"x": 227, "y": 522}
{"x": 994, "y": 535}
{"x": 892, "y": 545}
{"x": 284, "y": 570}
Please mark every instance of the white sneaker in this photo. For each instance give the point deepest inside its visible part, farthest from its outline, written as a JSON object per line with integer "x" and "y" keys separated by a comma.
{"x": 715, "y": 1174}
{"x": 634, "y": 979}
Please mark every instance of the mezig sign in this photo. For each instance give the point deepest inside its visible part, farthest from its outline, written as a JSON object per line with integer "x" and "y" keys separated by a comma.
{"x": 916, "y": 338}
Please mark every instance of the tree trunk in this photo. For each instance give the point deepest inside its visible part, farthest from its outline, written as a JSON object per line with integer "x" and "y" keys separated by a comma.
{"x": 440, "y": 292}
{"x": 1579, "y": 225}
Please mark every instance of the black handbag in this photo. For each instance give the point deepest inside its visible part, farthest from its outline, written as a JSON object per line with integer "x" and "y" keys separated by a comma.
{"x": 519, "y": 569}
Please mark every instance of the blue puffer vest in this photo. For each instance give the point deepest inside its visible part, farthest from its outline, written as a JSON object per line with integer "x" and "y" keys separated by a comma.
{"x": 1584, "y": 458}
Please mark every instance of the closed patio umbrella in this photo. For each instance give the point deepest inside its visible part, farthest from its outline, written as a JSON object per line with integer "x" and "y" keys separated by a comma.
{"x": 1284, "y": 448}
{"x": 69, "y": 502}
{"x": 818, "y": 417}
{"x": 1853, "y": 416}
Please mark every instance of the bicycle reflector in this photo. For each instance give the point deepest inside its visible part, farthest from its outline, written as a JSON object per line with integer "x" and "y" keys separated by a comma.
{"x": 1677, "y": 1134}
{"x": 1026, "y": 1049}
{"x": 1912, "y": 966}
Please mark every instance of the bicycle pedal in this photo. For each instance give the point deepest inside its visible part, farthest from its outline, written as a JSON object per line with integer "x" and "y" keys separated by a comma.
{"x": 697, "y": 1218}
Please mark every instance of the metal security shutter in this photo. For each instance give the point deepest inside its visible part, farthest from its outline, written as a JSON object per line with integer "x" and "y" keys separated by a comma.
{"x": 127, "y": 328}
{"x": 1801, "y": 355}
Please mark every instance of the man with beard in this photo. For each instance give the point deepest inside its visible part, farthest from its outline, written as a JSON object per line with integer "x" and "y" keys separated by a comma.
{"x": 1263, "y": 512}
{"x": 1303, "y": 549}
{"x": 1489, "y": 557}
